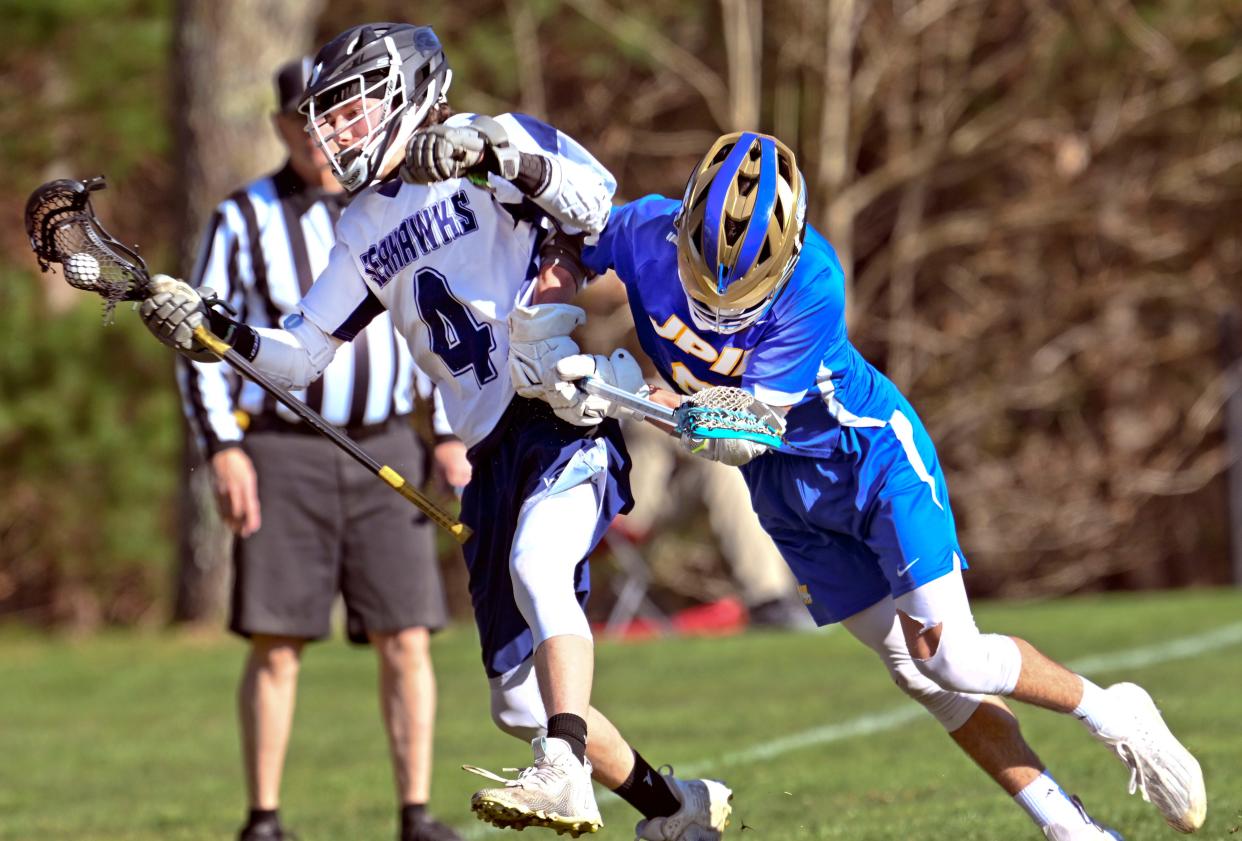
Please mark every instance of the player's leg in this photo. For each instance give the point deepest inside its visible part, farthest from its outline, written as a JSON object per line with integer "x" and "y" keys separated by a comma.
{"x": 529, "y": 581}
{"x": 672, "y": 808}
{"x": 553, "y": 537}
{"x": 843, "y": 581}
{"x": 982, "y": 726}
{"x": 390, "y": 580}
{"x": 542, "y": 495}
{"x": 906, "y": 527}
{"x": 911, "y": 530}
{"x": 555, "y": 532}
{"x": 947, "y": 647}
{"x": 284, "y": 583}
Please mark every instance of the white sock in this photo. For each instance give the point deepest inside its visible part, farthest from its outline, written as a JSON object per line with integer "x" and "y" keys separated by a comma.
{"x": 1094, "y": 710}
{"x": 1049, "y": 805}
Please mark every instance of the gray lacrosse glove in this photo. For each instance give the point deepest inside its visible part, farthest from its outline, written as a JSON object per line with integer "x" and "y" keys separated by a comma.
{"x": 620, "y": 370}
{"x": 538, "y": 339}
{"x": 172, "y": 311}
{"x": 735, "y": 451}
{"x": 731, "y": 451}
{"x": 441, "y": 152}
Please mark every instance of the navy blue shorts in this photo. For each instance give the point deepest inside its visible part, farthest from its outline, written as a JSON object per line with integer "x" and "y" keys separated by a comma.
{"x": 868, "y": 521}
{"x": 527, "y": 454}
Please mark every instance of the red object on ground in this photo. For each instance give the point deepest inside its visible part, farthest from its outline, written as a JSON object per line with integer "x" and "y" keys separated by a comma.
{"x": 719, "y": 618}
{"x": 715, "y": 619}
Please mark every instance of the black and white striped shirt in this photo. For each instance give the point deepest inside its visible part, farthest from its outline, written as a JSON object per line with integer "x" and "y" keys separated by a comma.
{"x": 261, "y": 251}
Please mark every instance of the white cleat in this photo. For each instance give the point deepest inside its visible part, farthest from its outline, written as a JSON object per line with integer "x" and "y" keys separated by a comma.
{"x": 1166, "y": 774}
{"x": 556, "y": 793}
{"x": 1086, "y": 832}
{"x": 703, "y": 816}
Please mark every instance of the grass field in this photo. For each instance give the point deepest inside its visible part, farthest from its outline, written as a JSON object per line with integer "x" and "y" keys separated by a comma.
{"x": 133, "y": 737}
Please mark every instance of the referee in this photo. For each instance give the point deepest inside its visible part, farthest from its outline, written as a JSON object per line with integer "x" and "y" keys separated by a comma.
{"x": 309, "y": 521}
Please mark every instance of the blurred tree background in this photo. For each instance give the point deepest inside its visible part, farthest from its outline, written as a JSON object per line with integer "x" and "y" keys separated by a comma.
{"x": 1038, "y": 203}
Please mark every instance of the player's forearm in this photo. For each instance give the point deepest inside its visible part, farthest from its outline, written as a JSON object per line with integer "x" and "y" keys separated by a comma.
{"x": 555, "y": 285}
{"x": 294, "y": 357}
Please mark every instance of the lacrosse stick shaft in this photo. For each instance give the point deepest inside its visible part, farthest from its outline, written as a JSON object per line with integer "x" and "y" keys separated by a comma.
{"x": 394, "y": 479}
{"x": 631, "y": 401}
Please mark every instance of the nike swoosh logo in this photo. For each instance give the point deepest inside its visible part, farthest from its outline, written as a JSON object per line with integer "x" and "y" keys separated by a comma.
{"x": 903, "y": 570}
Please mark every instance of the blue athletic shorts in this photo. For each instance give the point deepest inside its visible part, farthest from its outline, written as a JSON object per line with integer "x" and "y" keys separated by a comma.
{"x": 529, "y": 450}
{"x": 868, "y": 521}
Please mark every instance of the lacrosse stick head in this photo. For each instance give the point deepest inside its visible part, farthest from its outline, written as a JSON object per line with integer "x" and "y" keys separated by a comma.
{"x": 727, "y": 412}
{"x": 64, "y": 230}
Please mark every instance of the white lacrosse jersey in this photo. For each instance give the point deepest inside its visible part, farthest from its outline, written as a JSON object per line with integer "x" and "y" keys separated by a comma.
{"x": 449, "y": 261}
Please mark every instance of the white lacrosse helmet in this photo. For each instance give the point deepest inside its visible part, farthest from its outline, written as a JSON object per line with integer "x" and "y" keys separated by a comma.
{"x": 370, "y": 87}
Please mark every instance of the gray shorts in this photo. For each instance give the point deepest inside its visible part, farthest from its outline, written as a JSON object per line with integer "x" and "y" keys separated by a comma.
{"x": 330, "y": 526}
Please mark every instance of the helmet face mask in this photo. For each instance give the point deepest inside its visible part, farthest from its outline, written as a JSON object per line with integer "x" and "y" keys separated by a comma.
{"x": 358, "y": 111}
{"x": 370, "y": 88}
{"x": 726, "y": 320}
{"x": 739, "y": 230}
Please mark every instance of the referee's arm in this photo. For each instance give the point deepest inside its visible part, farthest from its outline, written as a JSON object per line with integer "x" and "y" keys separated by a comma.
{"x": 207, "y": 393}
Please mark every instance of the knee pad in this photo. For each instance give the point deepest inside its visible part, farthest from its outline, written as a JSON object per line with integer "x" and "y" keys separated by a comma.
{"x": 951, "y": 708}
{"x": 877, "y": 627}
{"x": 968, "y": 661}
{"x": 553, "y": 536}
{"x": 517, "y": 707}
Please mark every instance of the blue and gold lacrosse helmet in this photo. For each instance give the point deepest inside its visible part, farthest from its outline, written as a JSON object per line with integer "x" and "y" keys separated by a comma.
{"x": 740, "y": 229}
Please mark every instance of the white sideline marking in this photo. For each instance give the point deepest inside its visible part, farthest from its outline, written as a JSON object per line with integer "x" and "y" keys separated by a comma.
{"x": 1134, "y": 658}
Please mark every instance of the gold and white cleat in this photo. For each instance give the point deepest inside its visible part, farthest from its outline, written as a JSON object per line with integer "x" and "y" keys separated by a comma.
{"x": 555, "y": 793}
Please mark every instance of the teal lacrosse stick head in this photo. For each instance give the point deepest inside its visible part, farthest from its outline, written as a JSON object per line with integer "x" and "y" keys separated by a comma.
{"x": 726, "y": 412}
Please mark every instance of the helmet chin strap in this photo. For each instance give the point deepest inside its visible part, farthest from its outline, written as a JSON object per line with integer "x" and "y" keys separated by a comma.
{"x": 351, "y": 177}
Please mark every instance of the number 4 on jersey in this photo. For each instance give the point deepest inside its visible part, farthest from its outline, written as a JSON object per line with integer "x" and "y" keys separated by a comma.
{"x": 460, "y": 341}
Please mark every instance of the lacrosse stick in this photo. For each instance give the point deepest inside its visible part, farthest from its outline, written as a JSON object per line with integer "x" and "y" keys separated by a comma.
{"x": 63, "y": 229}
{"x": 716, "y": 412}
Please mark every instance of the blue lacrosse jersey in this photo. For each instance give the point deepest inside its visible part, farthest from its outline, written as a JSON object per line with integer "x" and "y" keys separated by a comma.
{"x": 798, "y": 354}
{"x": 855, "y": 498}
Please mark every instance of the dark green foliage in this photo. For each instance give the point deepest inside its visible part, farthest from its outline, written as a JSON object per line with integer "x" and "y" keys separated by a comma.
{"x": 89, "y": 435}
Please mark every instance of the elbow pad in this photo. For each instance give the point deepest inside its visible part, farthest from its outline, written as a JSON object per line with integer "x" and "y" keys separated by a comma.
{"x": 575, "y": 197}
{"x": 296, "y": 356}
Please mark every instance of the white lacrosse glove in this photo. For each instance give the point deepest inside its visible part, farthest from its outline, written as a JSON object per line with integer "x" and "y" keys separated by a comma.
{"x": 538, "y": 339}
{"x": 172, "y": 310}
{"x": 620, "y": 370}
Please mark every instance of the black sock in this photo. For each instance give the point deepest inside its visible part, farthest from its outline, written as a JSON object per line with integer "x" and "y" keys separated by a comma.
{"x": 647, "y": 791}
{"x": 571, "y": 728}
{"x": 412, "y": 813}
{"x": 263, "y": 816}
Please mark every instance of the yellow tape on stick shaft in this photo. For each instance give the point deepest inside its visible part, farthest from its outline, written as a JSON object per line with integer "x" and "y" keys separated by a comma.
{"x": 455, "y": 527}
